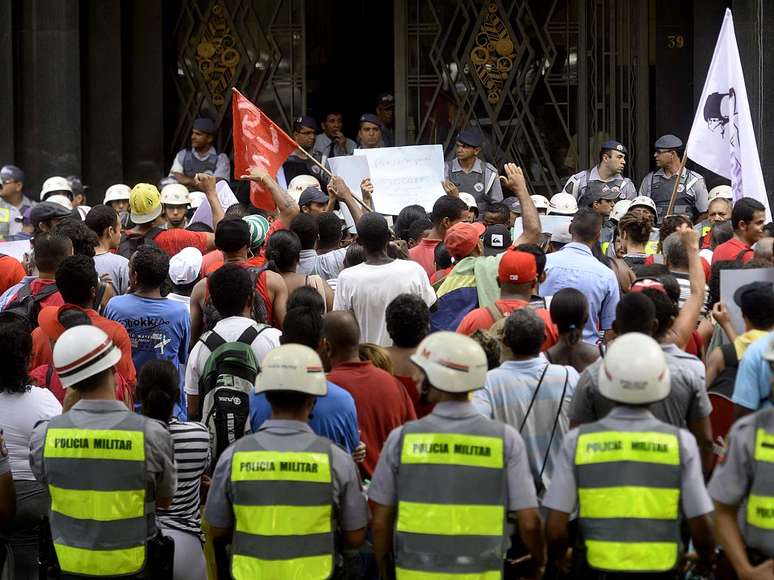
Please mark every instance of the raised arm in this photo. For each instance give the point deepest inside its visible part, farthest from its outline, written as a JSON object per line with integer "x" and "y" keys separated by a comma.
{"x": 514, "y": 179}
{"x": 685, "y": 323}
{"x": 287, "y": 206}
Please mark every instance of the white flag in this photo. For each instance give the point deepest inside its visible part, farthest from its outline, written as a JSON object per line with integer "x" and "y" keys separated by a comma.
{"x": 722, "y": 137}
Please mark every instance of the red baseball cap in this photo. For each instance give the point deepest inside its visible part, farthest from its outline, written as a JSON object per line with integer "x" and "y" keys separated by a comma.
{"x": 517, "y": 268}
{"x": 461, "y": 238}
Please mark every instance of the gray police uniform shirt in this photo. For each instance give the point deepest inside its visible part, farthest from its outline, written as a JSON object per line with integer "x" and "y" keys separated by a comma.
{"x": 348, "y": 500}
{"x": 483, "y": 181}
{"x": 694, "y": 183}
{"x": 562, "y": 495}
{"x": 687, "y": 400}
{"x": 520, "y": 488}
{"x": 11, "y": 217}
{"x": 322, "y": 148}
{"x": 160, "y": 467}
{"x": 576, "y": 183}
{"x": 222, "y": 167}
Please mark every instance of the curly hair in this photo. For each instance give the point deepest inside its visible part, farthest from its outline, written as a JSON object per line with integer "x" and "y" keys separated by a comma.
{"x": 636, "y": 227}
{"x": 82, "y": 236}
{"x": 16, "y": 346}
{"x": 408, "y": 320}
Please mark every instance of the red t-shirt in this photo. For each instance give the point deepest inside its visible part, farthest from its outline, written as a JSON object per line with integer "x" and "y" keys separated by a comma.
{"x": 381, "y": 401}
{"x": 481, "y": 319}
{"x": 38, "y": 376}
{"x": 42, "y": 355}
{"x": 11, "y": 272}
{"x": 730, "y": 250}
{"x": 214, "y": 260}
{"x": 421, "y": 409}
{"x": 36, "y": 286}
{"x": 174, "y": 240}
{"x": 424, "y": 254}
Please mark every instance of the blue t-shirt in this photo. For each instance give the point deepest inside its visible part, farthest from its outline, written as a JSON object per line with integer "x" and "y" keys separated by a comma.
{"x": 753, "y": 379}
{"x": 159, "y": 328}
{"x": 333, "y": 416}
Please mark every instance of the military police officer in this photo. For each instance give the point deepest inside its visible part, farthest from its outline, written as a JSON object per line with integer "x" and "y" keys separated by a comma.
{"x": 605, "y": 176}
{"x": 201, "y": 156}
{"x": 691, "y": 198}
{"x": 445, "y": 484}
{"x": 746, "y": 476}
{"x": 13, "y": 202}
{"x": 282, "y": 493}
{"x": 469, "y": 173}
{"x": 107, "y": 468}
{"x": 630, "y": 476}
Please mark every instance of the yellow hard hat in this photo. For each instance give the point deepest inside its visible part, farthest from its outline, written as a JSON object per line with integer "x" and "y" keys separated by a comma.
{"x": 144, "y": 203}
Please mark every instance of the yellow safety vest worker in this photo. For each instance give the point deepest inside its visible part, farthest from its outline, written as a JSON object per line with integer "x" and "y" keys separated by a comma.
{"x": 759, "y": 532}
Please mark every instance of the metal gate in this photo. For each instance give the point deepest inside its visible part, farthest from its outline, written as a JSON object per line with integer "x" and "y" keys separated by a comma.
{"x": 537, "y": 76}
{"x": 257, "y": 46}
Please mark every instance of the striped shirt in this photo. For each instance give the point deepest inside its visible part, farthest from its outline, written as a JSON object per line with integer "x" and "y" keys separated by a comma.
{"x": 192, "y": 456}
{"x": 506, "y": 397}
{"x": 684, "y": 280}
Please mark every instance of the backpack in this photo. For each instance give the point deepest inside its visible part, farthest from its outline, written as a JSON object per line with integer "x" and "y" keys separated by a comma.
{"x": 27, "y": 306}
{"x": 225, "y": 386}
{"x": 130, "y": 243}
{"x": 211, "y": 316}
{"x": 724, "y": 382}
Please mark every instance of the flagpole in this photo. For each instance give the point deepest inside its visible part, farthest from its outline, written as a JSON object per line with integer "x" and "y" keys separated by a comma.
{"x": 677, "y": 183}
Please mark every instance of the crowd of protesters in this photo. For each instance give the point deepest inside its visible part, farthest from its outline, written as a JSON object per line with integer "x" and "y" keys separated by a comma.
{"x": 459, "y": 393}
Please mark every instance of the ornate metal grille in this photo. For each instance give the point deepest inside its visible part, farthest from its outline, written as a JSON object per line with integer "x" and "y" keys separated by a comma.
{"x": 255, "y": 45}
{"x": 516, "y": 70}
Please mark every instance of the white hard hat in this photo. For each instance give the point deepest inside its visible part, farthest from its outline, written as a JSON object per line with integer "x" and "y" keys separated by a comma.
{"x": 62, "y": 200}
{"x": 82, "y": 352}
{"x": 563, "y": 204}
{"x": 723, "y": 191}
{"x": 468, "y": 200}
{"x": 619, "y": 209}
{"x": 299, "y": 183}
{"x": 175, "y": 194}
{"x": 292, "y": 367}
{"x": 117, "y": 192}
{"x": 452, "y": 362}
{"x": 541, "y": 202}
{"x": 634, "y": 371}
{"x": 643, "y": 201}
{"x": 54, "y": 184}
{"x": 196, "y": 198}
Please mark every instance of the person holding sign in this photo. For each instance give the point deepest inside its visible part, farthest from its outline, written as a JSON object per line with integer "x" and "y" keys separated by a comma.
{"x": 472, "y": 175}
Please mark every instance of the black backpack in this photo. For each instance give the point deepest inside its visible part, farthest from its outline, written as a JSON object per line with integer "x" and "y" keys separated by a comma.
{"x": 27, "y": 306}
{"x": 211, "y": 315}
{"x": 724, "y": 382}
{"x": 130, "y": 242}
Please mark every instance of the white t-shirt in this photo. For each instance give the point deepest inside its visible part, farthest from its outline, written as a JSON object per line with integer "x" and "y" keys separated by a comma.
{"x": 229, "y": 329}
{"x": 367, "y": 290}
{"x": 19, "y": 413}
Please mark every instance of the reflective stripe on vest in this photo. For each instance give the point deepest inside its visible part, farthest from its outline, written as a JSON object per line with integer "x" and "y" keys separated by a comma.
{"x": 283, "y": 505}
{"x": 451, "y": 500}
{"x": 759, "y": 531}
{"x": 629, "y": 497}
{"x": 96, "y": 478}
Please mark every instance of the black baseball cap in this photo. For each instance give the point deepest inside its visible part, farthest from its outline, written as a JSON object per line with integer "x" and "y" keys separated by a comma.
{"x": 470, "y": 137}
{"x": 205, "y": 125}
{"x": 48, "y": 210}
{"x": 371, "y": 118}
{"x": 497, "y": 239}
{"x": 308, "y": 122}
{"x": 312, "y": 195}
{"x": 755, "y": 296}
{"x": 614, "y": 146}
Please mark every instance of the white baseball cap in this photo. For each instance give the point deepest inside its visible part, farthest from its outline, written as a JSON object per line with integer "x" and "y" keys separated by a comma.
{"x": 185, "y": 266}
{"x": 468, "y": 200}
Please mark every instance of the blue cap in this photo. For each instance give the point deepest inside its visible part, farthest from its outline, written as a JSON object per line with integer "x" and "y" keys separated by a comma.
{"x": 11, "y": 173}
{"x": 371, "y": 118}
{"x": 470, "y": 137}
{"x": 307, "y": 122}
{"x": 668, "y": 142}
{"x": 205, "y": 125}
{"x": 614, "y": 146}
{"x": 312, "y": 195}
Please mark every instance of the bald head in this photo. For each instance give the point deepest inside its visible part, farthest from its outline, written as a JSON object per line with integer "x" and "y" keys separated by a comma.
{"x": 342, "y": 331}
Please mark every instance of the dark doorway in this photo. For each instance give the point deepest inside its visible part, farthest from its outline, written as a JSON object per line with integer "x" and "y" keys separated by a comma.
{"x": 349, "y": 57}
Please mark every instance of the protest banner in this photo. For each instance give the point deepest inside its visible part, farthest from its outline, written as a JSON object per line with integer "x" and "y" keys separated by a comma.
{"x": 203, "y": 213}
{"x": 352, "y": 169}
{"x": 548, "y": 224}
{"x": 404, "y": 176}
{"x": 16, "y": 249}
{"x": 731, "y": 281}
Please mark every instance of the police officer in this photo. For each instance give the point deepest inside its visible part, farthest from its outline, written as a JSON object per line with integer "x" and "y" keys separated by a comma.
{"x": 175, "y": 199}
{"x": 607, "y": 175}
{"x": 107, "y": 469}
{"x": 281, "y": 493}
{"x": 603, "y": 202}
{"x": 469, "y": 173}
{"x": 630, "y": 476}
{"x": 201, "y": 156}
{"x": 691, "y": 198}
{"x": 746, "y": 476}
{"x": 445, "y": 484}
{"x": 369, "y": 136}
{"x": 13, "y": 202}
{"x": 304, "y": 131}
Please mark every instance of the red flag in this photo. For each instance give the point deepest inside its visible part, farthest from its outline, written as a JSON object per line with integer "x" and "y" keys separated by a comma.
{"x": 258, "y": 142}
